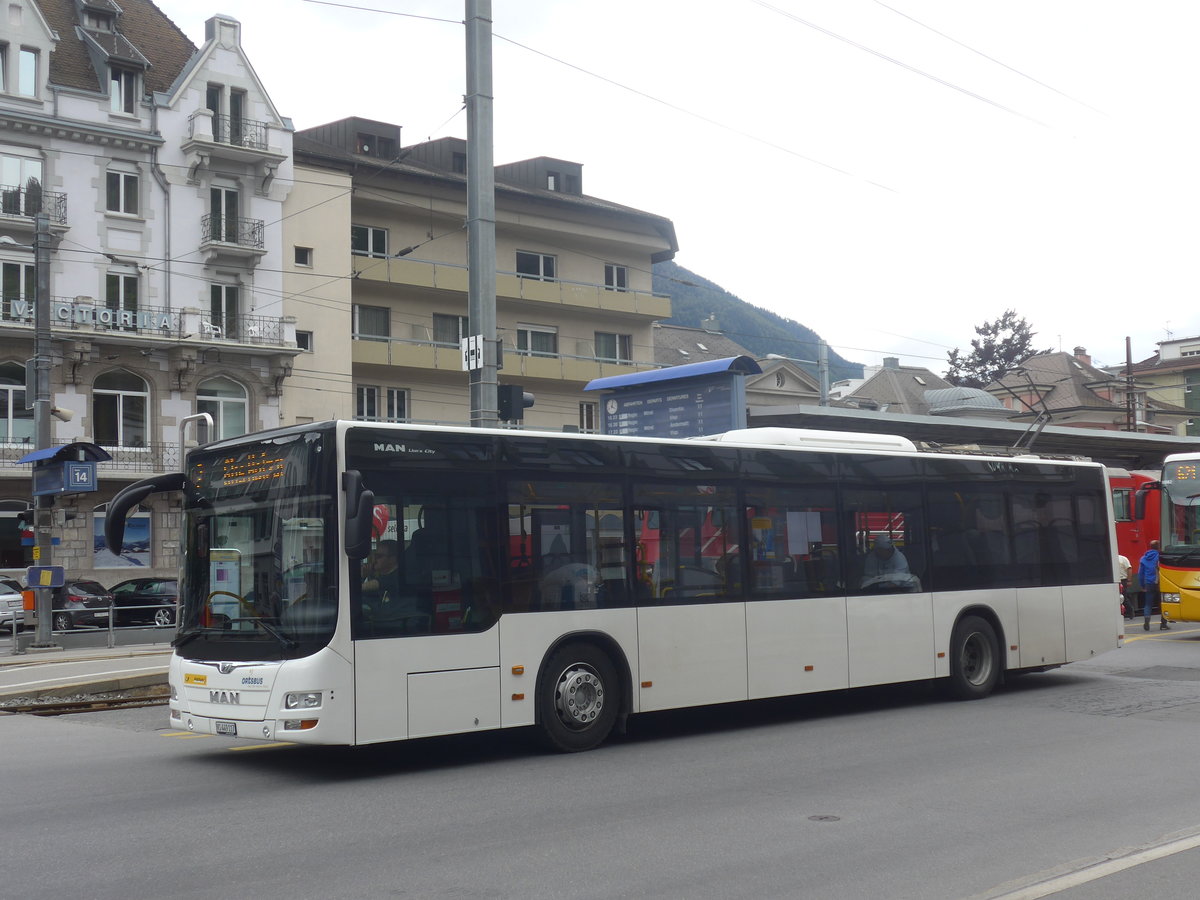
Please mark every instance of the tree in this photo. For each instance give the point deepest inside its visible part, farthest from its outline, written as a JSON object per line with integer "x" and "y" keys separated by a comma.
{"x": 1001, "y": 345}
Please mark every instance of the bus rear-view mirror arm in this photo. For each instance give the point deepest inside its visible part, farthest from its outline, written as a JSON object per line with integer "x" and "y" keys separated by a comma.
{"x": 1139, "y": 499}
{"x": 360, "y": 505}
{"x": 131, "y": 496}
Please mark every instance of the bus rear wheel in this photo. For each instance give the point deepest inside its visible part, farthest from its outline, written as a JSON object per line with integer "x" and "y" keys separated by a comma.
{"x": 578, "y": 698}
{"x": 974, "y": 659}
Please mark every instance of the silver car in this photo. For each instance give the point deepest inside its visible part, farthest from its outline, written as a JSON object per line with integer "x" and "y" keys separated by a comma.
{"x": 12, "y": 605}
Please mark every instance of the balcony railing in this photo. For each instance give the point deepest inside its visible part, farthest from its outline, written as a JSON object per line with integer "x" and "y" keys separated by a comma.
{"x": 233, "y": 230}
{"x": 85, "y": 314}
{"x": 239, "y": 132}
{"x": 152, "y": 458}
{"x": 27, "y": 202}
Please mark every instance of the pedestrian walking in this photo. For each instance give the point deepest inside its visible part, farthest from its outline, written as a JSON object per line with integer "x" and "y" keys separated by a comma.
{"x": 1148, "y": 580}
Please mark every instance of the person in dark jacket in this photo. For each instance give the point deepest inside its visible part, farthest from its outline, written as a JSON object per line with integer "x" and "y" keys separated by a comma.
{"x": 1148, "y": 580}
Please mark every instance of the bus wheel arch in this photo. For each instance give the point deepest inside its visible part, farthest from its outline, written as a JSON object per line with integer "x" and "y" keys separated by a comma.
{"x": 976, "y": 657}
{"x": 583, "y": 692}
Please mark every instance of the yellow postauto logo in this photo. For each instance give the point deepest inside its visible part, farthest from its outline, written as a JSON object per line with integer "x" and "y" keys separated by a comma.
{"x": 195, "y": 679}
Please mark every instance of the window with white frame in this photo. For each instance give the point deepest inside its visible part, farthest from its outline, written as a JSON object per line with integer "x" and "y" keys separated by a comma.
{"x": 122, "y": 90}
{"x": 121, "y": 194}
{"x": 19, "y": 176}
{"x": 536, "y": 265}
{"x": 372, "y": 323}
{"x": 224, "y": 214}
{"x": 119, "y": 403}
{"x": 304, "y": 257}
{"x": 225, "y": 400}
{"x": 614, "y": 347}
{"x": 224, "y": 309}
{"x": 121, "y": 296}
{"x": 616, "y": 278}
{"x": 589, "y": 417}
{"x": 449, "y": 329}
{"x": 537, "y": 340}
{"x": 27, "y": 72}
{"x": 19, "y": 288}
{"x": 16, "y": 422}
{"x": 304, "y": 340}
{"x": 375, "y": 404}
{"x": 366, "y": 240}
{"x": 3, "y": 67}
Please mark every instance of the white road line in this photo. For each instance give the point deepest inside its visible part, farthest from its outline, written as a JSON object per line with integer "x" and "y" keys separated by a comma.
{"x": 95, "y": 676}
{"x": 1053, "y": 883}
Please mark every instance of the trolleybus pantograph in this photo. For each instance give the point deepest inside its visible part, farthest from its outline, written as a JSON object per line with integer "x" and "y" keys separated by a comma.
{"x": 354, "y": 583}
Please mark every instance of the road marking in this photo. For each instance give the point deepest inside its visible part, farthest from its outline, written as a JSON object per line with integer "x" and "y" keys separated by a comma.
{"x": 185, "y": 734}
{"x": 97, "y": 676}
{"x": 1056, "y": 881}
{"x": 264, "y": 746}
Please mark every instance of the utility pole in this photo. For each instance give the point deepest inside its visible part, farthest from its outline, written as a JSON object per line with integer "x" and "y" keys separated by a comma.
{"x": 481, "y": 213}
{"x": 1130, "y": 408}
{"x": 43, "y": 511}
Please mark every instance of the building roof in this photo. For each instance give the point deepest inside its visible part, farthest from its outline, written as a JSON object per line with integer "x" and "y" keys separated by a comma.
{"x": 676, "y": 345}
{"x": 143, "y": 30}
{"x": 315, "y": 144}
{"x": 896, "y": 389}
{"x": 1069, "y": 383}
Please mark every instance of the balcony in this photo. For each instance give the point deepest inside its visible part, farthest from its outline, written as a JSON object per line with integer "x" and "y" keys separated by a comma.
{"x": 230, "y": 138}
{"x": 126, "y": 462}
{"x": 20, "y": 205}
{"x": 444, "y": 276}
{"x": 232, "y": 239}
{"x": 85, "y": 315}
{"x": 431, "y": 355}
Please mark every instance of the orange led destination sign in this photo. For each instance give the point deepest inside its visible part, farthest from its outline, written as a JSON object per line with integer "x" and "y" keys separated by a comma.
{"x": 245, "y": 468}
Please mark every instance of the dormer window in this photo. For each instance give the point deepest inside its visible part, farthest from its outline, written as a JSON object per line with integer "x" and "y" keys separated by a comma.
{"x": 97, "y": 20}
{"x": 122, "y": 90}
{"x": 27, "y": 73}
{"x": 553, "y": 181}
{"x": 371, "y": 145}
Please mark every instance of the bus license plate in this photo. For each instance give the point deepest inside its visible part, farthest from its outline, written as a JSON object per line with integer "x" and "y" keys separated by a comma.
{"x": 227, "y": 728}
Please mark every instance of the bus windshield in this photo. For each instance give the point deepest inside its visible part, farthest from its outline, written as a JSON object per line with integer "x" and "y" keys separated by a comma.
{"x": 260, "y": 571}
{"x": 1181, "y": 511}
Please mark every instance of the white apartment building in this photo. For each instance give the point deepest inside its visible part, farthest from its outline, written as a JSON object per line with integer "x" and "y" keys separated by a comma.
{"x": 162, "y": 168}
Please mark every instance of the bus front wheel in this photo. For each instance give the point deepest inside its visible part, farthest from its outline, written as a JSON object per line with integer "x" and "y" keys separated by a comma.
{"x": 974, "y": 659}
{"x": 578, "y": 699}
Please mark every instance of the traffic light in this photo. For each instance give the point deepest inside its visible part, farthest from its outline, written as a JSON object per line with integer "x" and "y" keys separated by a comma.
{"x": 512, "y": 402}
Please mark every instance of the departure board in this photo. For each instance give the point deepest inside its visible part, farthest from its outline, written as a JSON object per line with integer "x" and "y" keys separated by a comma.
{"x": 674, "y": 410}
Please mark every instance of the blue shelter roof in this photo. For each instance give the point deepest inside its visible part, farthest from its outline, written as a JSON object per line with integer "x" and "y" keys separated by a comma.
{"x": 740, "y": 364}
{"x": 77, "y": 451}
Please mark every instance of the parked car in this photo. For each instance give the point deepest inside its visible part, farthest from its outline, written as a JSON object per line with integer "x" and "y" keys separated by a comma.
{"x": 146, "y": 600}
{"x": 80, "y": 603}
{"x": 12, "y": 605}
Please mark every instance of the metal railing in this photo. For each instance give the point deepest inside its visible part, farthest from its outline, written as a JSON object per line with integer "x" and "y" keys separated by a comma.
{"x": 28, "y": 201}
{"x": 149, "y": 458}
{"x": 233, "y": 230}
{"x": 90, "y": 315}
{"x": 240, "y": 132}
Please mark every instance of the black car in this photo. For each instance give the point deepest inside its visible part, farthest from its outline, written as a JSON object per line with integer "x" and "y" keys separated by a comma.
{"x": 80, "y": 603}
{"x": 146, "y": 600}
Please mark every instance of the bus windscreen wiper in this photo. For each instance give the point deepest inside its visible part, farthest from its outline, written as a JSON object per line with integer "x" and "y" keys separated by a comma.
{"x": 286, "y": 642}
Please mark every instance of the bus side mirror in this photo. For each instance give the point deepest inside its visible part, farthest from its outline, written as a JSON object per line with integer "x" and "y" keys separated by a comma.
{"x": 360, "y": 505}
{"x": 131, "y": 496}
{"x": 1139, "y": 499}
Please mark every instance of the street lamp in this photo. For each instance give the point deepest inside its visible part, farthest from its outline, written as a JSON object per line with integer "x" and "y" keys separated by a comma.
{"x": 822, "y": 364}
{"x": 42, "y": 408}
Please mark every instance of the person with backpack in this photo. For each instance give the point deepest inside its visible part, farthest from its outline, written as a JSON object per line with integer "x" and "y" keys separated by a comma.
{"x": 1148, "y": 580}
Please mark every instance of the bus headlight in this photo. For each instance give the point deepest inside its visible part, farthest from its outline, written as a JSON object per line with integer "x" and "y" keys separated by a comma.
{"x": 1170, "y": 598}
{"x": 302, "y": 700}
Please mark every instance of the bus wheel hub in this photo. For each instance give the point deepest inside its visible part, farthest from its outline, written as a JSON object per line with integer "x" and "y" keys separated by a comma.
{"x": 580, "y": 696}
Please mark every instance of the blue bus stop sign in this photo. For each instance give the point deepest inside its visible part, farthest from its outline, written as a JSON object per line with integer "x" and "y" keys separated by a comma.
{"x": 46, "y": 576}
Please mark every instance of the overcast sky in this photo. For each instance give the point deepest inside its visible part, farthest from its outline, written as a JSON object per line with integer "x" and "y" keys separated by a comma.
{"x": 890, "y": 173}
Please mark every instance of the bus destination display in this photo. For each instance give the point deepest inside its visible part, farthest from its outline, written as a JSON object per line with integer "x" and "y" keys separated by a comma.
{"x": 261, "y": 465}
{"x": 1176, "y": 472}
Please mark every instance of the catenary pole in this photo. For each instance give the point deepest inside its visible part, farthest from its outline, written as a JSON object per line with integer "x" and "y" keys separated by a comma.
{"x": 481, "y": 212}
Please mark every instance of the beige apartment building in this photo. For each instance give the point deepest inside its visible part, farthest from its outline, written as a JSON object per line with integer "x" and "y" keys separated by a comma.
{"x": 377, "y": 280}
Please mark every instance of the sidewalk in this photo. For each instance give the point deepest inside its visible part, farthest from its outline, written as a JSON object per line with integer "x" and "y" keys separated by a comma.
{"x": 84, "y": 670}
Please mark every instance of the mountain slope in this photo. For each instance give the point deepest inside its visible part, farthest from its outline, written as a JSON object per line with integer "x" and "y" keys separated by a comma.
{"x": 694, "y": 299}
